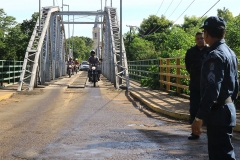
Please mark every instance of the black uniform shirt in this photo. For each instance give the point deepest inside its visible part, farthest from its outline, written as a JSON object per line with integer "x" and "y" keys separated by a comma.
{"x": 193, "y": 62}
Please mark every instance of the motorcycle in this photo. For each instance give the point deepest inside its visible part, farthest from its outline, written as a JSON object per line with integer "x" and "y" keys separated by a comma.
{"x": 69, "y": 70}
{"x": 93, "y": 74}
{"x": 76, "y": 68}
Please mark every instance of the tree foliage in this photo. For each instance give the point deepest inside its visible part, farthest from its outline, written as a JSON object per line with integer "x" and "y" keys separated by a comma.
{"x": 142, "y": 49}
{"x": 154, "y": 24}
{"x": 152, "y": 80}
{"x": 168, "y": 40}
{"x": 6, "y": 22}
{"x": 177, "y": 42}
{"x": 225, "y": 14}
{"x": 233, "y": 34}
{"x": 155, "y": 29}
{"x": 81, "y": 47}
{"x": 156, "y": 37}
{"x": 14, "y": 38}
{"x": 27, "y": 26}
{"x": 192, "y": 24}
{"x": 16, "y": 43}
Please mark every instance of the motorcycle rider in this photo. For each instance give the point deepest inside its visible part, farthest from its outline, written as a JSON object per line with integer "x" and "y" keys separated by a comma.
{"x": 70, "y": 62}
{"x": 94, "y": 60}
{"x": 76, "y": 64}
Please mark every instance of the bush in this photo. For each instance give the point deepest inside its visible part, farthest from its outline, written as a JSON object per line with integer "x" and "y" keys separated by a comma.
{"x": 153, "y": 78}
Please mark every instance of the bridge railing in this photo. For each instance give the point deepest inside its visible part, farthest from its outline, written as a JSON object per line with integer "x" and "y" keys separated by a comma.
{"x": 10, "y": 71}
{"x": 138, "y": 70}
{"x": 172, "y": 72}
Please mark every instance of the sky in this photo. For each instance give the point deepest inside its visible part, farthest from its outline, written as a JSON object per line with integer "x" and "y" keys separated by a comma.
{"x": 133, "y": 11}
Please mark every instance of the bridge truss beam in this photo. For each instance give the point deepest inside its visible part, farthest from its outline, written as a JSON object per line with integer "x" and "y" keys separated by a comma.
{"x": 112, "y": 68}
{"x": 86, "y": 13}
{"x": 45, "y": 55}
{"x": 46, "y": 52}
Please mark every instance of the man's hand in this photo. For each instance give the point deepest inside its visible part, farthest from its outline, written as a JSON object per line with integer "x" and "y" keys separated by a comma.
{"x": 196, "y": 127}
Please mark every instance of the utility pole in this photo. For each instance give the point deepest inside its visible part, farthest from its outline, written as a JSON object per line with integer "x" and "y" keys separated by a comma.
{"x": 111, "y": 3}
{"x": 121, "y": 54}
{"x": 39, "y": 29}
{"x": 72, "y": 36}
{"x": 101, "y": 32}
{"x": 68, "y": 30}
{"x": 121, "y": 32}
{"x": 98, "y": 35}
{"x": 53, "y": 2}
{"x": 130, "y": 32}
{"x": 129, "y": 40}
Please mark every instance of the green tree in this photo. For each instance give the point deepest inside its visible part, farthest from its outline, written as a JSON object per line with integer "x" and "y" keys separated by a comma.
{"x": 16, "y": 43}
{"x": 192, "y": 24}
{"x": 233, "y": 34}
{"x": 177, "y": 43}
{"x": 2, "y": 45}
{"x": 14, "y": 37}
{"x": 154, "y": 24}
{"x": 6, "y": 21}
{"x": 27, "y": 26}
{"x": 225, "y": 14}
{"x": 128, "y": 38}
{"x": 88, "y": 42}
{"x": 155, "y": 29}
{"x": 142, "y": 49}
{"x": 81, "y": 47}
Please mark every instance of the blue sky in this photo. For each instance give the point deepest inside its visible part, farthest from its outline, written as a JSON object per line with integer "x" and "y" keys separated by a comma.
{"x": 134, "y": 11}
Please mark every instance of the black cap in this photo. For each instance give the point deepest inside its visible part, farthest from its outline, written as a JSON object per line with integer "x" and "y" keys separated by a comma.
{"x": 214, "y": 22}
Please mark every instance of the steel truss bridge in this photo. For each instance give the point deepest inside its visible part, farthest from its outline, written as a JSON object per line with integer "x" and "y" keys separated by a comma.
{"x": 46, "y": 54}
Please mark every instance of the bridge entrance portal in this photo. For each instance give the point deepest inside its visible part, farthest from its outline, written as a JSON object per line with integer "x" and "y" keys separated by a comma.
{"x": 47, "y": 52}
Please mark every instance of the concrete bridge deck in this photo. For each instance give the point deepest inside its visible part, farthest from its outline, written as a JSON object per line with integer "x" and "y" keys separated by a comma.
{"x": 159, "y": 101}
{"x": 166, "y": 103}
{"x": 60, "y": 122}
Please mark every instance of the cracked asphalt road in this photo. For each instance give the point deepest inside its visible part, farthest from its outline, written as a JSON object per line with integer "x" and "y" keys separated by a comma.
{"x": 59, "y": 123}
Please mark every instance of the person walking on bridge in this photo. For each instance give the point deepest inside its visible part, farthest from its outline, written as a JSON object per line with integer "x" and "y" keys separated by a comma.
{"x": 193, "y": 62}
{"x": 219, "y": 88}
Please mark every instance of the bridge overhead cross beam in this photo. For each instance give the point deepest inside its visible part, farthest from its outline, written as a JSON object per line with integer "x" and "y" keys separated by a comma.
{"x": 83, "y": 22}
{"x": 86, "y": 13}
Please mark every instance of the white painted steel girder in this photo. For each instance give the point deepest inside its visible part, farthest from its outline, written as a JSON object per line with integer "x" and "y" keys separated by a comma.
{"x": 87, "y": 13}
{"x": 117, "y": 73}
{"x": 42, "y": 59}
{"x": 46, "y": 52}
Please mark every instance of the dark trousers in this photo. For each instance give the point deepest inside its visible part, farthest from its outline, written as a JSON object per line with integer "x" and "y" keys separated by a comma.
{"x": 195, "y": 99}
{"x": 219, "y": 143}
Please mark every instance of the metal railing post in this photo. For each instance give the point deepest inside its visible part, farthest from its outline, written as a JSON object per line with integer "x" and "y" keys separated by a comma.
{"x": 178, "y": 73}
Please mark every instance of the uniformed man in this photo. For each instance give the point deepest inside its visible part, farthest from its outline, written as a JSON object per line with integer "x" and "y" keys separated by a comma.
{"x": 219, "y": 88}
{"x": 193, "y": 62}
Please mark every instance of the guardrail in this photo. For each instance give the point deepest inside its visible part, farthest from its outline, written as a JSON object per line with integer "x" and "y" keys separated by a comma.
{"x": 10, "y": 71}
{"x": 172, "y": 72}
{"x": 139, "y": 69}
